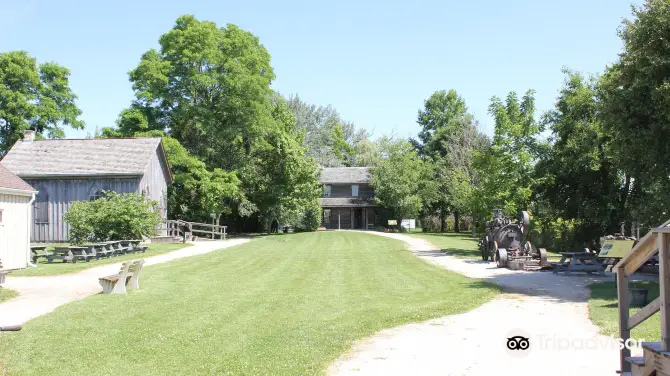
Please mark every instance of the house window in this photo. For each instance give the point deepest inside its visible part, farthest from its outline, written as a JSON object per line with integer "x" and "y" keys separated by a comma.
{"x": 326, "y": 216}
{"x": 354, "y": 190}
{"x": 326, "y": 190}
{"x": 41, "y": 207}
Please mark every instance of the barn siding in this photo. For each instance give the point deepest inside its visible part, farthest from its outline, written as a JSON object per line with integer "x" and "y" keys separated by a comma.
{"x": 154, "y": 182}
{"x": 14, "y": 245}
{"x": 61, "y": 194}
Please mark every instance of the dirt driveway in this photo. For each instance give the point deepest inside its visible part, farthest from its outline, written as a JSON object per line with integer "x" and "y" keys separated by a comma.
{"x": 549, "y": 309}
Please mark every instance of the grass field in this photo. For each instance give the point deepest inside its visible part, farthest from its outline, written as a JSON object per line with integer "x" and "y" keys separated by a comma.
{"x": 57, "y": 267}
{"x": 603, "y": 309}
{"x": 6, "y": 294}
{"x": 279, "y": 305}
{"x": 461, "y": 245}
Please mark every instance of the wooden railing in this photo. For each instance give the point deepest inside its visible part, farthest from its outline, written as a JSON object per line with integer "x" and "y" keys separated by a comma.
{"x": 656, "y": 241}
{"x": 176, "y": 228}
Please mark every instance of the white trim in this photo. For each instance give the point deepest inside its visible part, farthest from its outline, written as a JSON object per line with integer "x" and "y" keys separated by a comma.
{"x": 18, "y": 192}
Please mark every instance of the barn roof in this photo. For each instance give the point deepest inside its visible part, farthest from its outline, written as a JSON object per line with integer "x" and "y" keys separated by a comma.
{"x": 11, "y": 181}
{"x": 345, "y": 175}
{"x": 84, "y": 157}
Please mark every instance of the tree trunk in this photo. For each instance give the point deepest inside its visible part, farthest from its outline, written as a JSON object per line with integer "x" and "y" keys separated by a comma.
{"x": 456, "y": 219}
{"x": 443, "y": 221}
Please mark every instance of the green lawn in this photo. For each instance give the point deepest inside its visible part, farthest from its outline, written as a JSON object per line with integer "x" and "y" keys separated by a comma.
{"x": 6, "y": 294}
{"x": 58, "y": 267}
{"x": 278, "y": 305}
{"x": 603, "y": 310}
{"x": 461, "y": 245}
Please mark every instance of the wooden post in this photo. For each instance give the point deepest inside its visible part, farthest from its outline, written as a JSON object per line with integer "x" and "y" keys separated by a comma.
{"x": 624, "y": 301}
{"x": 338, "y": 220}
{"x": 664, "y": 288}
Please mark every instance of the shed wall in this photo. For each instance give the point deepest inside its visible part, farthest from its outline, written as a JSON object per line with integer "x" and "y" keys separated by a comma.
{"x": 14, "y": 244}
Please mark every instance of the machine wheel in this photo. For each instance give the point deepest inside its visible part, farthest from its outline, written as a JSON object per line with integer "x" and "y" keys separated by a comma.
{"x": 543, "y": 256}
{"x": 528, "y": 248}
{"x": 501, "y": 257}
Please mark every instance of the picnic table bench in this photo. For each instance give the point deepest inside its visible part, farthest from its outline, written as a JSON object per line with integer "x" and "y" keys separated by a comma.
{"x": 70, "y": 253}
{"x": 3, "y": 274}
{"x": 38, "y": 251}
{"x": 579, "y": 262}
{"x": 129, "y": 274}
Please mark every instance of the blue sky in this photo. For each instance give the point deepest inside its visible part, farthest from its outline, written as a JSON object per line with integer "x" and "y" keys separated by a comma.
{"x": 374, "y": 61}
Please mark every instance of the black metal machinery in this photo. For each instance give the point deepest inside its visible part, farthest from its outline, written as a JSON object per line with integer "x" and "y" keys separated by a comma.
{"x": 506, "y": 243}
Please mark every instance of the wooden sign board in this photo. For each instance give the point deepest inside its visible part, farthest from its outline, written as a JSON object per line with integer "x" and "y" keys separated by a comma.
{"x": 393, "y": 222}
{"x": 615, "y": 248}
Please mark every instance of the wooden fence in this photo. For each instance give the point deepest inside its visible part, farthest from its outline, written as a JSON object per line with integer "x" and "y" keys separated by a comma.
{"x": 183, "y": 228}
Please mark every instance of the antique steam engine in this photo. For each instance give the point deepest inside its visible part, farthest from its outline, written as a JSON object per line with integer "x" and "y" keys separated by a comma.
{"x": 506, "y": 243}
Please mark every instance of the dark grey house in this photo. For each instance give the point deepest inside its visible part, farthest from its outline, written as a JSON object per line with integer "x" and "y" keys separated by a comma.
{"x": 348, "y": 199}
{"x": 63, "y": 171}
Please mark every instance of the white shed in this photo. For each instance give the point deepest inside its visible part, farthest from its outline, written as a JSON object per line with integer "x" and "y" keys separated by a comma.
{"x": 16, "y": 198}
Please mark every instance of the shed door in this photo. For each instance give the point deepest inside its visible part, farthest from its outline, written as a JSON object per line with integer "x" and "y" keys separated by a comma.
{"x": 41, "y": 216}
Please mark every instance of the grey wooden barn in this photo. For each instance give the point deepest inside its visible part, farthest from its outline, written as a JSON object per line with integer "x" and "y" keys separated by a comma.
{"x": 64, "y": 171}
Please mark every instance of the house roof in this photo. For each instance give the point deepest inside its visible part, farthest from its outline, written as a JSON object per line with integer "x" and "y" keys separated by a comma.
{"x": 330, "y": 202}
{"x": 11, "y": 181}
{"x": 345, "y": 175}
{"x": 84, "y": 157}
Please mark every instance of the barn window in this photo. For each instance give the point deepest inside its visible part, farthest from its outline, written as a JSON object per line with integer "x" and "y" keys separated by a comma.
{"x": 41, "y": 206}
{"x": 326, "y": 190}
{"x": 96, "y": 194}
{"x": 326, "y": 216}
{"x": 354, "y": 190}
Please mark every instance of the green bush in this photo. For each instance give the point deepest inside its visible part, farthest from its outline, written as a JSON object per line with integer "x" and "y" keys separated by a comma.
{"x": 112, "y": 217}
{"x": 310, "y": 219}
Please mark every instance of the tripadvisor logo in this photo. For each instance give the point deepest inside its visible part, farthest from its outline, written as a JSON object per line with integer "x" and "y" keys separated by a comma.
{"x": 519, "y": 343}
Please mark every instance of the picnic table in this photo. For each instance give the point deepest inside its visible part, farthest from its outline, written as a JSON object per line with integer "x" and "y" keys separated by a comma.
{"x": 38, "y": 251}
{"x": 579, "y": 262}
{"x": 70, "y": 253}
{"x": 61, "y": 253}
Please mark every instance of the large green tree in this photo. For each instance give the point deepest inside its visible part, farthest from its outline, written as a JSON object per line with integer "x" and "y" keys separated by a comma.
{"x": 282, "y": 181}
{"x": 34, "y": 97}
{"x": 403, "y": 183}
{"x": 577, "y": 178}
{"x": 506, "y": 167}
{"x": 636, "y": 111}
{"x": 449, "y": 139}
{"x": 208, "y": 87}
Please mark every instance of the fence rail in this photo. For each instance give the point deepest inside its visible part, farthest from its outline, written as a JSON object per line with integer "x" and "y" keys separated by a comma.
{"x": 183, "y": 228}
{"x": 656, "y": 241}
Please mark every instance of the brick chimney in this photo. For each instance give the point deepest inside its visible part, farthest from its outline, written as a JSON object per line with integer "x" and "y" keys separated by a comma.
{"x": 28, "y": 135}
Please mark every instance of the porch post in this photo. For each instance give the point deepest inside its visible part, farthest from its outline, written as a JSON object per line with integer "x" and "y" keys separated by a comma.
{"x": 664, "y": 285}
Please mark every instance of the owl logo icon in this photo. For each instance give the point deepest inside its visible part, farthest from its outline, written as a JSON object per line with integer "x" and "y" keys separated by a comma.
{"x": 518, "y": 343}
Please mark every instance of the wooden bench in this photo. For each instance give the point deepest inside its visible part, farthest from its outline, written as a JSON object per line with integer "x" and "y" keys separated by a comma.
{"x": 129, "y": 275}
{"x": 3, "y": 274}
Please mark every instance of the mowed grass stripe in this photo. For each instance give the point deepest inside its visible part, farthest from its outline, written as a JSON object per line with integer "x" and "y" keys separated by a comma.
{"x": 280, "y": 305}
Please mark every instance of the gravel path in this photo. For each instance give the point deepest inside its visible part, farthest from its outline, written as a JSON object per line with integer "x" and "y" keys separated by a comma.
{"x": 41, "y": 295}
{"x": 549, "y": 309}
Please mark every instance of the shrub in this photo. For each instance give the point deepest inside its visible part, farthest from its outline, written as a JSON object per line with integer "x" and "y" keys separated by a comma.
{"x": 112, "y": 217}
{"x": 310, "y": 218}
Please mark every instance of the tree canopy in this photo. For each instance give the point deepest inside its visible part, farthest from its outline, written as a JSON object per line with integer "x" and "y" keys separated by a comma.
{"x": 36, "y": 97}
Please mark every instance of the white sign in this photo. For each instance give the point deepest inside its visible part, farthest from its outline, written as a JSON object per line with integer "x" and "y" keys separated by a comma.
{"x": 408, "y": 223}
